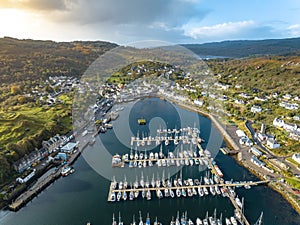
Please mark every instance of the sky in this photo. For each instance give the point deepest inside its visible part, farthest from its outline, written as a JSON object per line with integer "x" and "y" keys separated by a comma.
{"x": 127, "y": 21}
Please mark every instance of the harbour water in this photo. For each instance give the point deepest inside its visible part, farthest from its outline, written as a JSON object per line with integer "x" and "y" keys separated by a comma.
{"x": 82, "y": 196}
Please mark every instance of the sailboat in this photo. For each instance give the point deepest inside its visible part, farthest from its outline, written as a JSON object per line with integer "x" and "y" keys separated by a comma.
{"x": 141, "y": 221}
{"x": 114, "y": 222}
{"x": 148, "y": 220}
{"x": 120, "y": 222}
{"x": 148, "y": 195}
{"x": 133, "y": 220}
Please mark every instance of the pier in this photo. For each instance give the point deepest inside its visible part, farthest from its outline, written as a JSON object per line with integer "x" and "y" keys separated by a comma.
{"x": 225, "y": 185}
{"x": 28, "y": 195}
{"x": 242, "y": 219}
{"x": 227, "y": 151}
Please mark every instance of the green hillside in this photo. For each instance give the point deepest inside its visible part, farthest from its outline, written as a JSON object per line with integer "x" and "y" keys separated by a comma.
{"x": 30, "y": 59}
{"x": 269, "y": 74}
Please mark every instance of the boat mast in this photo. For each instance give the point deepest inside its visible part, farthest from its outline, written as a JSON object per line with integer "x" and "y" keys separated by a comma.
{"x": 260, "y": 219}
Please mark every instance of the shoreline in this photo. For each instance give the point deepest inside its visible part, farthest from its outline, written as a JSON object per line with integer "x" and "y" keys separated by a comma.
{"x": 229, "y": 140}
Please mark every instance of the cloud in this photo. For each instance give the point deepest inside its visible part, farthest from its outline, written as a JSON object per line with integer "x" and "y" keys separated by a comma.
{"x": 293, "y": 30}
{"x": 152, "y": 19}
{"x": 223, "y": 29}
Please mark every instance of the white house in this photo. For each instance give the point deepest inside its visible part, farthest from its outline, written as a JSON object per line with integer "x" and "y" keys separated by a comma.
{"x": 256, "y": 109}
{"x": 240, "y": 102}
{"x": 287, "y": 96}
{"x": 296, "y": 118}
{"x": 296, "y": 157}
{"x": 240, "y": 133}
{"x": 272, "y": 143}
{"x": 198, "y": 102}
{"x": 278, "y": 122}
{"x": 289, "y": 127}
{"x": 246, "y": 141}
{"x": 262, "y": 99}
{"x": 295, "y": 135}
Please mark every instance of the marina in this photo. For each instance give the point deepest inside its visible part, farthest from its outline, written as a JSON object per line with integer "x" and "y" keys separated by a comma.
{"x": 178, "y": 187}
{"x": 65, "y": 201}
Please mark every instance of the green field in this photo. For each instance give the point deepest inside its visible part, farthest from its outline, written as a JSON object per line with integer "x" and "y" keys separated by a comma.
{"x": 294, "y": 182}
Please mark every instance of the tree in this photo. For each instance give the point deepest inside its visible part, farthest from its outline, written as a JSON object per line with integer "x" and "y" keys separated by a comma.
{"x": 15, "y": 89}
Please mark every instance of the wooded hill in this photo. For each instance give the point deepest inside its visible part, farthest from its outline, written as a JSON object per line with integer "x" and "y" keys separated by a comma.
{"x": 269, "y": 74}
{"x": 30, "y": 59}
{"x": 238, "y": 49}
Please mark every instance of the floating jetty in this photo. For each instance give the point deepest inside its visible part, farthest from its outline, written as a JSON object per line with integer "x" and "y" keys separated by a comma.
{"x": 185, "y": 135}
{"x": 142, "y": 121}
{"x": 227, "y": 151}
{"x": 181, "y": 188}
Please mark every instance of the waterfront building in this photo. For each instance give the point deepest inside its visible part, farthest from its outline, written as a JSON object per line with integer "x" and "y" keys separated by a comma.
{"x": 257, "y": 162}
{"x": 255, "y": 151}
{"x": 69, "y": 147}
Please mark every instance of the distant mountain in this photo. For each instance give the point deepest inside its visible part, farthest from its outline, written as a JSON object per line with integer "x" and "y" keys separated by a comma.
{"x": 239, "y": 49}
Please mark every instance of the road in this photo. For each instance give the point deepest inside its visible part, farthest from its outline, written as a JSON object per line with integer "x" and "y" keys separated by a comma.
{"x": 293, "y": 168}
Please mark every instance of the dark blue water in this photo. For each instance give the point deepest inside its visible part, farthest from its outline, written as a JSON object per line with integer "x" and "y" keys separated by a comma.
{"x": 82, "y": 196}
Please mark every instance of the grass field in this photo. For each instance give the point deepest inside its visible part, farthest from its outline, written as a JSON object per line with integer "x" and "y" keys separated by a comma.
{"x": 294, "y": 182}
{"x": 23, "y": 122}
